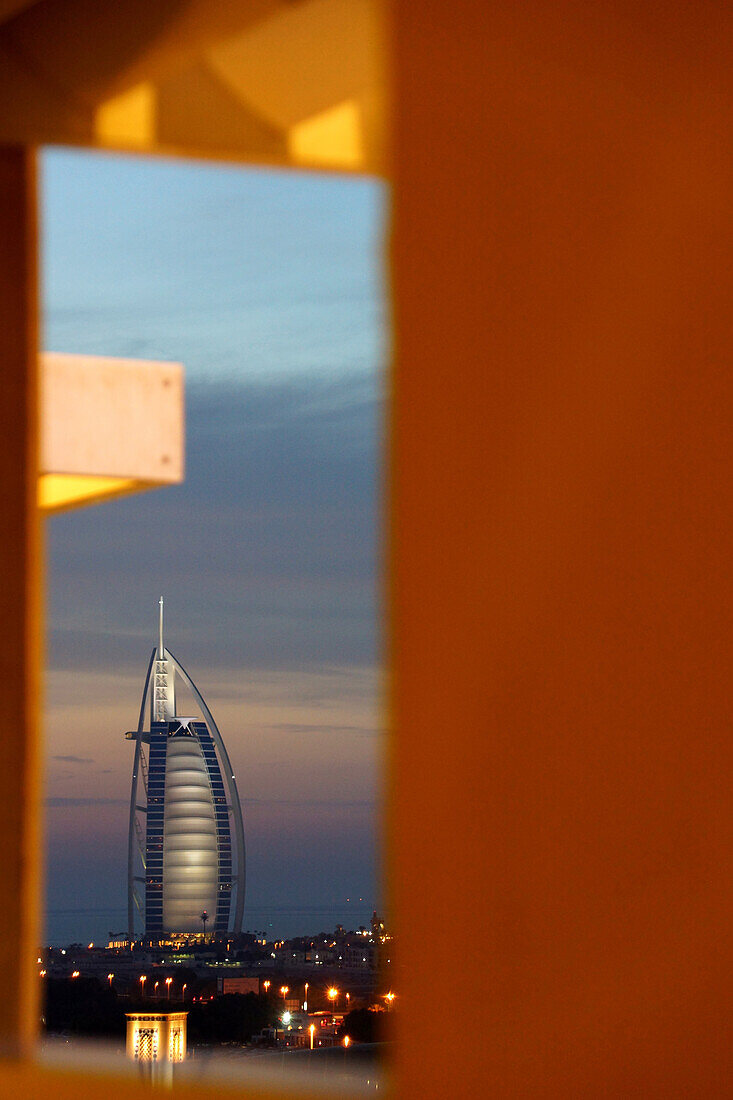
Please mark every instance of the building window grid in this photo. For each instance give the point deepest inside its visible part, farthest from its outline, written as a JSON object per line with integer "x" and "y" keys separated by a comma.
{"x": 157, "y": 756}
{"x": 223, "y": 832}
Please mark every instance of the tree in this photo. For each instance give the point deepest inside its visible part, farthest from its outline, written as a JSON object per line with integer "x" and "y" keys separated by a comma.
{"x": 83, "y": 1006}
{"x": 233, "y": 1018}
{"x": 364, "y": 1025}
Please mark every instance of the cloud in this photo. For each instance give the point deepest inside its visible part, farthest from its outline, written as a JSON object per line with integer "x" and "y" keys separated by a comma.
{"x": 301, "y": 727}
{"x": 330, "y": 802}
{"x": 74, "y": 759}
{"x": 64, "y": 803}
{"x": 269, "y": 555}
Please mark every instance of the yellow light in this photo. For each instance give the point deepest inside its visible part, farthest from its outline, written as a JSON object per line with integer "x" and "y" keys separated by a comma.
{"x": 128, "y": 118}
{"x": 333, "y": 135}
{"x": 42, "y": 973}
{"x": 89, "y": 946}
{"x": 332, "y": 993}
{"x": 59, "y": 491}
{"x": 347, "y": 1040}
{"x": 75, "y": 974}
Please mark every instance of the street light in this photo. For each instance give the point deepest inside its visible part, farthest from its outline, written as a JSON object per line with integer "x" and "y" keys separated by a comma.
{"x": 266, "y": 986}
{"x": 183, "y": 991}
{"x": 332, "y": 994}
{"x": 389, "y": 998}
{"x": 75, "y": 974}
{"x": 143, "y": 979}
{"x": 312, "y": 1030}
{"x": 305, "y": 998}
{"x": 168, "y": 983}
{"x": 284, "y": 989}
{"x": 109, "y": 979}
{"x": 155, "y": 989}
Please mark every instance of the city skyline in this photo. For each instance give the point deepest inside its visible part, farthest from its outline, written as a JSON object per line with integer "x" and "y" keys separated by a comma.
{"x": 278, "y": 523}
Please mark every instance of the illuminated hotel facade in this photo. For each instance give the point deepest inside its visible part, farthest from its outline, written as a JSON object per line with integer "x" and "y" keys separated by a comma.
{"x": 186, "y": 856}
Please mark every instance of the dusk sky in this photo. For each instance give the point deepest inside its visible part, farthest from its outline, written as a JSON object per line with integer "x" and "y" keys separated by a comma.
{"x": 267, "y": 286}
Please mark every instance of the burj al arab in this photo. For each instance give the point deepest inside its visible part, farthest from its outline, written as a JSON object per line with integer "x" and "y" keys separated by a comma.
{"x": 186, "y": 857}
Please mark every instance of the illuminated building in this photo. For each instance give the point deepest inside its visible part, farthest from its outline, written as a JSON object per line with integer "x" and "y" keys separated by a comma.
{"x": 157, "y": 1040}
{"x": 186, "y": 839}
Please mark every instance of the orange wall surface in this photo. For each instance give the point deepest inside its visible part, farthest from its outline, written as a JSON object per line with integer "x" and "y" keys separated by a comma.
{"x": 562, "y": 285}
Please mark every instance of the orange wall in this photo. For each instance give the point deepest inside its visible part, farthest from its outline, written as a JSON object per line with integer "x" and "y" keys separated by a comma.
{"x": 562, "y": 288}
{"x": 20, "y": 675}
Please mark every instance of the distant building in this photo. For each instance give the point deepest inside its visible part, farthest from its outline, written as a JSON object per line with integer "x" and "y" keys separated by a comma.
{"x": 360, "y": 955}
{"x": 186, "y": 839}
{"x": 303, "y": 1029}
{"x": 239, "y": 985}
{"x": 157, "y": 1041}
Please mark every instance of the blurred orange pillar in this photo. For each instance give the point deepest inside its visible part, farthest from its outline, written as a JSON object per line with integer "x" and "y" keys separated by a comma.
{"x": 562, "y": 300}
{"x": 20, "y": 555}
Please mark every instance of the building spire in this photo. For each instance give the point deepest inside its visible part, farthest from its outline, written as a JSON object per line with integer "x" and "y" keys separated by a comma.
{"x": 163, "y": 697}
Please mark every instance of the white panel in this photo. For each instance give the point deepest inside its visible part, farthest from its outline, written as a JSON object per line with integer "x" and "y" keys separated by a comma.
{"x": 121, "y": 418}
{"x": 190, "y": 853}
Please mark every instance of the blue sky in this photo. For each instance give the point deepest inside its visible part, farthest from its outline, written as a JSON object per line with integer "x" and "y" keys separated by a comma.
{"x": 267, "y": 286}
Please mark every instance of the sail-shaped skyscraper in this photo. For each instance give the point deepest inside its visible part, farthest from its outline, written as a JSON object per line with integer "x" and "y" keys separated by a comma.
{"x": 186, "y": 841}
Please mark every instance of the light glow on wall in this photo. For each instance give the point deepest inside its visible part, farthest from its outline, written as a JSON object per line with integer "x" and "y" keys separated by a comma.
{"x": 190, "y": 849}
{"x": 156, "y": 1036}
